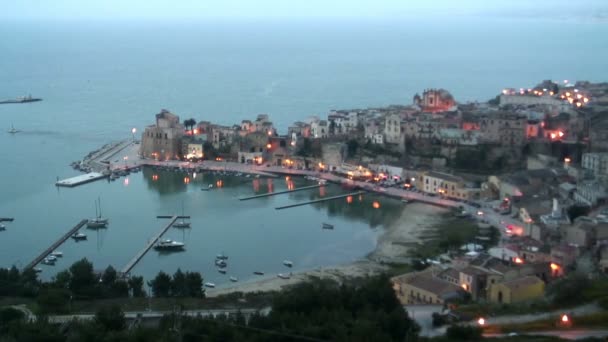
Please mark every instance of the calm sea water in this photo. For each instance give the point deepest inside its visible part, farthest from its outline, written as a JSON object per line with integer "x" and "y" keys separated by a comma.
{"x": 99, "y": 80}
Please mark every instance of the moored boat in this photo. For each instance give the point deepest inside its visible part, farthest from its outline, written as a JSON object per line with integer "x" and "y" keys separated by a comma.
{"x": 57, "y": 254}
{"x": 288, "y": 263}
{"x": 327, "y": 226}
{"x": 210, "y": 285}
{"x": 169, "y": 245}
{"x": 222, "y": 270}
{"x": 79, "y": 236}
{"x": 258, "y": 273}
{"x": 284, "y": 276}
{"x": 234, "y": 279}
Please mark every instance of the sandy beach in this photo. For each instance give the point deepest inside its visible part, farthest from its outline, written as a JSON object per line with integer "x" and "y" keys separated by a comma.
{"x": 393, "y": 244}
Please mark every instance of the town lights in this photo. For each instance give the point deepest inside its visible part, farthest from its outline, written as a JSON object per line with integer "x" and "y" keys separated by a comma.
{"x": 376, "y": 205}
{"x": 560, "y": 134}
{"x": 269, "y": 132}
{"x": 565, "y": 318}
{"x": 567, "y": 160}
{"x": 518, "y": 260}
{"x": 293, "y": 143}
{"x": 268, "y": 146}
{"x": 554, "y": 267}
{"x": 481, "y": 321}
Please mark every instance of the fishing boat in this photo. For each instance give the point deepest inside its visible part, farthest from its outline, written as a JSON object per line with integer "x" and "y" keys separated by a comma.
{"x": 169, "y": 245}
{"x": 210, "y": 285}
{"x": 221, "y": 256}
{"x": 222, "y": 270}
{"x": 182, "y": 223}
{"x": 57, "y": 254}
{"x": 327, "y": 226}
{"x": 284, "y": 276}
{"x": 258, "y": 273}
{"x": 47, "y": 261}
{"x": 79, "y": 236}
{"x": 234, "y": 279}
{"x": 288, "y": 263}
{"x": 221, "y": 263}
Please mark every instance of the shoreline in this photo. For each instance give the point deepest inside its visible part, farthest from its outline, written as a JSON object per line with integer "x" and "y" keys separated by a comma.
{"x": 391, "y": 247}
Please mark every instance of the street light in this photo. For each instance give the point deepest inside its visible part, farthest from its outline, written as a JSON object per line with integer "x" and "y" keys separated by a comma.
{"x": 481, "y": 321}
{"x": 133, "y": 131}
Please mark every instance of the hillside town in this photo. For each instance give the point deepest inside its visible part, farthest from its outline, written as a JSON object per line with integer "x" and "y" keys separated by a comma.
{"x": 537, "y": 156}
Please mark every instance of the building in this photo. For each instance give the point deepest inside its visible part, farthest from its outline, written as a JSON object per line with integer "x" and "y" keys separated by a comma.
{"x": 424, "y": 288}
{"x": 517, "y": 290}
{"x": 435, "y": 100}
{"x": 392, "y": 128}
{"x": 507, "y": 129}
{"x": 596, "y": 163}
{"x": 319, "y": 128}
{"x": 445, "y": 185}
{"x": 163, "y": 141}
{"x": 590, "y": 193}
{"x": 517, "y": 99}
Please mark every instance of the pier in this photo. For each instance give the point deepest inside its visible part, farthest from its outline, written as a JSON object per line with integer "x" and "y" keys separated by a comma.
{"x": 281, "y": 192}
{"x": 82, "y": 179}
{"x": 149, "y": 245}
{"x": 321, "y": 200}
{"x": 6, "y": 219}
{"x": 57, "y": 243}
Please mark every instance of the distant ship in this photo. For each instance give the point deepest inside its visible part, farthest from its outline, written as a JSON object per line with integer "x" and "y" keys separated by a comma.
{"x": 24, "y": 99}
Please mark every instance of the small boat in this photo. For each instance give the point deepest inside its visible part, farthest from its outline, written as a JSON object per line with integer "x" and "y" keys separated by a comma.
{"x": 258, "y": 273}
{"x": 221, "y": 263}
{"x": 47, "y": 261}
{"x": 327, "y": 226}
{"x": 98, "y": 221}
{"x": 234, "y": 279}
{"x": 57, "y": 254}
{"x": 79, "y": 236}
{"x": 169, "y": 245}
{"x": 182, "y": 223}
{"x": 13, "y": 130}
{"x": 288, "y": 263}
{"x": 211, "y": 285}
{"x": 284, "y": 276}
{"x": 37, "y": 269}
{"x": 222, "y": 270}
{"x": 51, "y": 258}
{"x": 2, "y": 227}
{"x": 221, "y": 256}
{"x": 94, "y": 223}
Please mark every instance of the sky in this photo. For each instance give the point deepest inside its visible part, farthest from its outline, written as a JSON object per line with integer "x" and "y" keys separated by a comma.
{"x": 198, "y": 9}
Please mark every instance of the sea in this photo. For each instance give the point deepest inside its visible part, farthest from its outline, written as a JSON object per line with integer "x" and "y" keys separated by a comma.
{"x": 101, "y": 79}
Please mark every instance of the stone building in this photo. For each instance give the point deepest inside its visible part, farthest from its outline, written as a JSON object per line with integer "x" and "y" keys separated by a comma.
{"x": 392, "y": 128}
{"x": 435, "y": 100}
{"x": 517, "y": 290}
{"x": 162, "y": 141}
{"x": 507, "y": 129}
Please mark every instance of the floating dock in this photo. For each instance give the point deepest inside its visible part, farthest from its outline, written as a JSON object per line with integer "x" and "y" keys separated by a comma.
{"x": 281, "y": 192}
{"x": 6, "y": 219}
{"x": 151, "y": 242}
{"x": 82, "y": 179}
{"x": 57, "y": 243}
{"x": 321, "y": 200}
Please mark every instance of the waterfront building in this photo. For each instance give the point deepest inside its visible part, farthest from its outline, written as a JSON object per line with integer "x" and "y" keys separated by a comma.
{"x": 300, "y": 129}
{"x": 192, "y": 146}
{"x": 435, "y": 100}
{"x": 162, "y": 141}
{"x": 424, "y": 288}
{"x": 446, "y": 185}
{"x": 319, "y": 129}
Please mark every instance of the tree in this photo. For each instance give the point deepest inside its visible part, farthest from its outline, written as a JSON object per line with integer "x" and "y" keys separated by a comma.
{"x": 161, "y": 285}
{"x": 62, "y": 279}
{"x": 353, "y": 146}
{"x": 463, "y": 333}
{"x": 109, "y": 276}
{"x": 53, "y": 301}
{"x": 178, "y": 285}
{"x": 111, "y": 318}
{"x": 136, "y": 285}
{"x": 190, "y": 123}
{"x": 82, "y": 277}
{"x": 194, "y": 284}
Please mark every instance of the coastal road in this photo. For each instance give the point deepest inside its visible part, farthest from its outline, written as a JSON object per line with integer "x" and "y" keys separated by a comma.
{"x": 577, "y": 334}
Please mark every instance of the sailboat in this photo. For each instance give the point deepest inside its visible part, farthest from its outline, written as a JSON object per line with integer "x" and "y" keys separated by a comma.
{"x": 182, "y": 223}
{"x": 13, "y": 130}
{"x": 98, "y": 221}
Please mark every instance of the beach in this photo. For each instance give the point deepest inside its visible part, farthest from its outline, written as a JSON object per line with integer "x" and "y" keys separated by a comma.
{"x": 392, "y": 247}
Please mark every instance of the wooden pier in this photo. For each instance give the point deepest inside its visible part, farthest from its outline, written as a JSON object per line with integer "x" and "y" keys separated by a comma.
{"x": 6, "y": 219}
{"x": 321, "y": 200}
{"x": 57, "y": 243}
{"x": 149, "y": 245}
{"x": 281, "y": 192}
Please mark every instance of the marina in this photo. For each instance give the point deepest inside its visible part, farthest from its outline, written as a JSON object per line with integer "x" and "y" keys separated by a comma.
{"x": 152, "y": 242}
{"x": 56, "y": 244}
{"x": 81, "y": 179}
{"x": 320, "y": 200}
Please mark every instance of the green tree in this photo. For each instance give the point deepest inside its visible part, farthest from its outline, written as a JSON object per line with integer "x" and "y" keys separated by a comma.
{"x": 189, "y": 123}
{"x": 53, "y": 301}
{"x": 111, "y": 318}
{"x": 109, "y": 277}
{"x": 62, "y": 279}
{"x": 178, "y": 284}
{"x": 353, "y": 147}
{"x": 82, "y": 278}
{"x": 136, "y": 285}
{"x": 194, "y": 284}
{"x": 161, "y": 285}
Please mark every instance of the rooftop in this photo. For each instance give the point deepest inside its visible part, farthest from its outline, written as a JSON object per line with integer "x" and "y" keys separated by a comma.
{"x": 522, "y": 282}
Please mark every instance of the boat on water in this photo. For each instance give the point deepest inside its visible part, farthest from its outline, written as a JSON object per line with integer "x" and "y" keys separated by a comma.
{"x": 51, "y": 258}
{"x": 284, "y": 276}
{"x": 169, "y": 245}
{"x": 221, "y": 263}
{"x": 210, "y": 285}
{"x": 13, "y": 130}
{"x": 234, "y": 279}
{"x": 288, "y": 263}
{"x": 57, "y": 254}
{"x": 37, "y": 269}
{"x": 98, "y": 221}
{"x": 222, "y": 270}
{"x": 24, "y": 99}
{"x": 327, "y": 226}
{"x": 221, "y": 256}
{"x": 2, "y": 227}
{"x": 258, "y": 273}
{"x": 47, "y": 261}
{"x": 79, "y": 236}
{"x": 182, "y": 223}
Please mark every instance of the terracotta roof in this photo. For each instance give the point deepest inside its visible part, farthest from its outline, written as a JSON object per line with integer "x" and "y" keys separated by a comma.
{"x": 434, "y": 285}
{"x": 450, "y": 272}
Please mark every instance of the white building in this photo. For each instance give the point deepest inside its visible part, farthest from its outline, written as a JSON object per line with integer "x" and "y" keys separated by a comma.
{"x": 597, "y": 163}
{"x": 392, "y": 128}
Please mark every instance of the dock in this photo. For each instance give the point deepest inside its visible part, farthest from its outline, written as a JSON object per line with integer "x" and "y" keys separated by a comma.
{"x": 151, "y": 242}
{"x": 82, "y": 179}
{"x": 281, "y": 192}
{"x": 321, "y": 200}
{"x": 57, "y": 243}
{"x": 6, "y": 219}
{"x": 171, "y": 216}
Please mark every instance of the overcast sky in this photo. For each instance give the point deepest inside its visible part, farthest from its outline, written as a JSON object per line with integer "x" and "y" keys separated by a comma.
{"x": 185, "y": 9}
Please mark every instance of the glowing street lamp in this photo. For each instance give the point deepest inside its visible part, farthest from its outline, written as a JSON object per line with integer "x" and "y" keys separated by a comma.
{"x": 481, "y": 321}
{"x": 133, "y": 131}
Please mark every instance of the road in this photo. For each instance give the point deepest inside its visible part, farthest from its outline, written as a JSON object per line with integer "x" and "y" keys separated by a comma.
{"x": 577, "y": 334}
